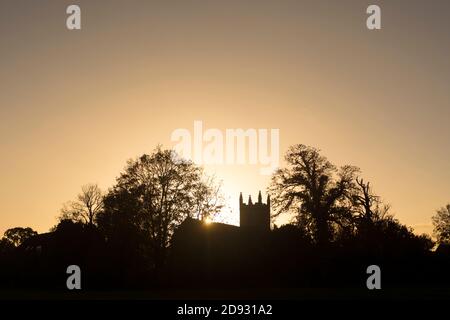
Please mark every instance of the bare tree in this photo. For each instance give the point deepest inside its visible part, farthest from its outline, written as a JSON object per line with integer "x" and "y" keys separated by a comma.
{"x": 208, "y": 200}
{"x": 367, "y": 206}
{"x": 87, "y": 206}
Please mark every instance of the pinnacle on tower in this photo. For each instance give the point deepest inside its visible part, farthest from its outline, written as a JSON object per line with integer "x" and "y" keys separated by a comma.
{"x": 254, "y": 217}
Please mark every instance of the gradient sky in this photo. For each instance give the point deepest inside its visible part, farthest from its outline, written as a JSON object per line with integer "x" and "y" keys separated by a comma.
{"x": 75, "y": 105}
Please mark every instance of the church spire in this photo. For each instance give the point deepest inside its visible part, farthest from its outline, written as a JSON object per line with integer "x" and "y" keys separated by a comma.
{"x": 250, "y": 200}
{"x": 259, "y": 197}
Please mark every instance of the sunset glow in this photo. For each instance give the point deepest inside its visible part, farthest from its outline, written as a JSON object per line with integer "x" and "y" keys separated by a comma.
{"x": 75, "y": 106}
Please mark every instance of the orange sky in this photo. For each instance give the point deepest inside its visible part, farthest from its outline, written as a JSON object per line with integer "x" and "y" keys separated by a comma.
{"x": 75, "y": 105}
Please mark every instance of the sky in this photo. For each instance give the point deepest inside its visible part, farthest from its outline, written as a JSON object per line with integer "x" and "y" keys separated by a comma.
{"x": 75, "y": 105}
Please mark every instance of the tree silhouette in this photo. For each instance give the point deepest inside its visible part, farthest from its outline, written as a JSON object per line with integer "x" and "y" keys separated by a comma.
{"x": 16, "y": 236}
{"x": 87, "y": 206}
{"x": 367, "y": 207}
{"x": 153, "y": 195}
{"x": 6, "y": 246}
{"x": 441, "y": 222}
{"x": 147, "y": 233}
{"x": 313, "y": 189}
{"x": 398, "y": 239}
{"x": 208, "y": 200}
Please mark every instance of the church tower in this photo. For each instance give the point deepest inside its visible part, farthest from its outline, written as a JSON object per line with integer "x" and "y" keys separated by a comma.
{"x": 254, "y": 216}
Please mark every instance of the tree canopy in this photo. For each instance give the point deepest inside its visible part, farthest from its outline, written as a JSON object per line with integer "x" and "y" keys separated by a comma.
{"x": 154, "y": 194}
{"x": 441, "y": 223}
{"x": 18, "y": 235}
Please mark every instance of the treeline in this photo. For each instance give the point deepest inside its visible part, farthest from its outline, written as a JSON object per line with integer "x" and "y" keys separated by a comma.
{"x": 128, "y": 238}
{"x": 330, "y": 204}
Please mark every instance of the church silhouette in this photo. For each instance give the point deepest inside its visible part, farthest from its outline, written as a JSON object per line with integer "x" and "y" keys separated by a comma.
{"x": 255, "y": 216}
{"x": 203, "y": 252}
